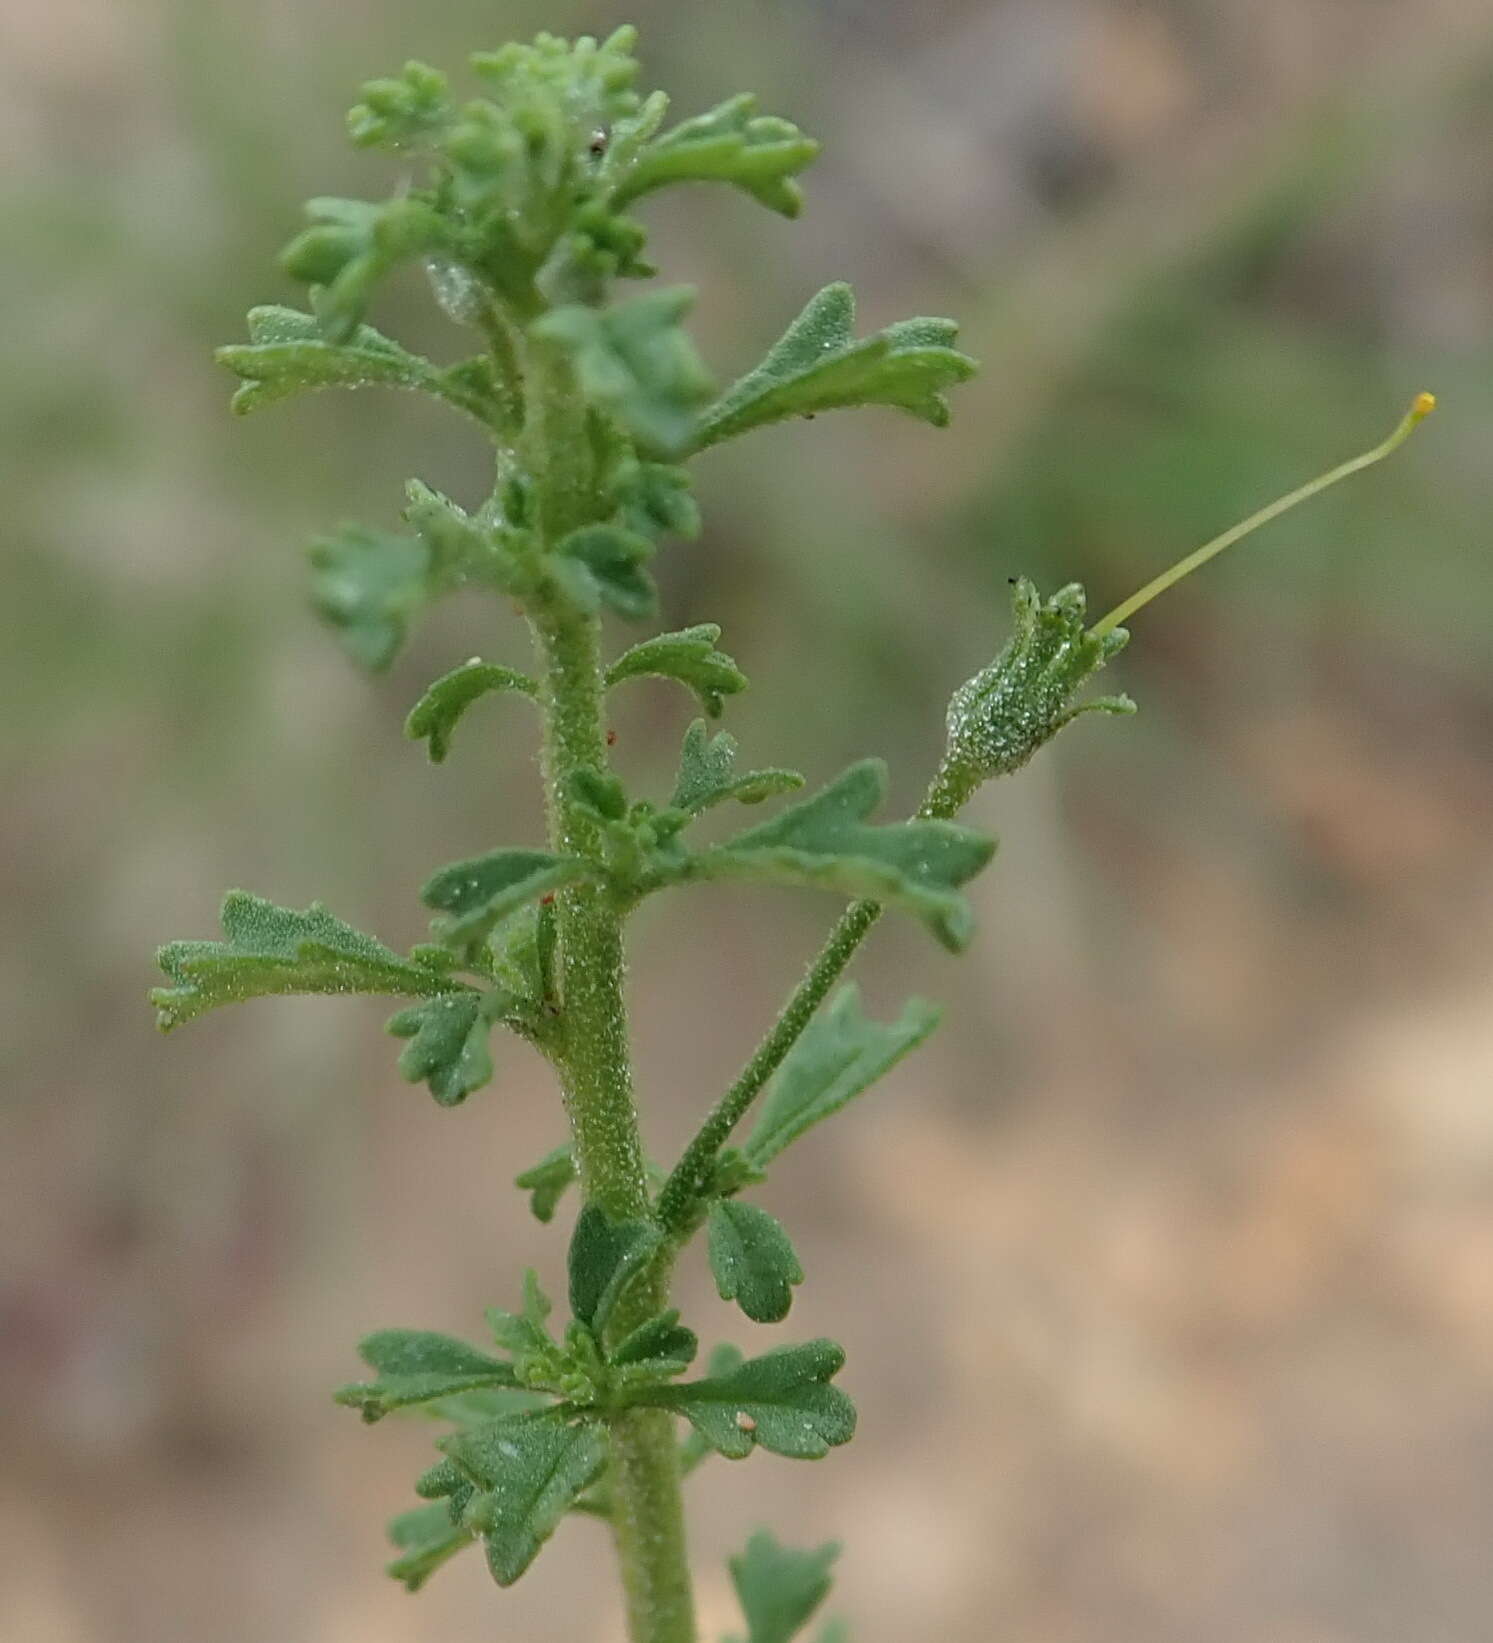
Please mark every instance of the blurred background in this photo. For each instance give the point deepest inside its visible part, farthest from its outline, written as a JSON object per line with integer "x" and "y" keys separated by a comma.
{"x": 1166, "y": 1270}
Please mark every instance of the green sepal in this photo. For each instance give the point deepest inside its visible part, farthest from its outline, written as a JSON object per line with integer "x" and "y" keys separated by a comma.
{"x": 731, "y": 144}
{"x": 706, "y": 778}
{"x": 472, "y": 896}
{"x": 823, "y": 843}
{"x": 527, "y": 1471}
{"x": 635, "y": 361}
{"x": 781, "y": 1401}
{"x": 403, "y": 112}
{"x": 779, "y": 1590}
{"x": 448, "y": 1047}
{"x": 416, "y": 1366}
{"x": 605, "y": 1255}
{"x": 690, "y": 657}
{"x": 436, "y": 714}
{"x": 817, "y": 365}
{"x": 841, "y": 1053}
{"x": 753, "y": 1261}
{"x": 547, "y": 1181}
{"x": 660, "y": 1348}
{"x": 604, "y": 565}
{"x": 999, "y": 719}
{"x": 274, "y": 950}
{"x": 288, "y": 354}
{"x": 427, "y": 1538}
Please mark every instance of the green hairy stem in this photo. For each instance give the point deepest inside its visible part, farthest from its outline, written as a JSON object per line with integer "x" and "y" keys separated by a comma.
{"x": 595, "y": 403}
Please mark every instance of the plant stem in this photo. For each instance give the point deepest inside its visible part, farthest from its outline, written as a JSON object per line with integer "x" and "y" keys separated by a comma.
{"x": 681, "y": 1192}
{"x": 678, "y": 1204}
{"x": 644, "y": 1483}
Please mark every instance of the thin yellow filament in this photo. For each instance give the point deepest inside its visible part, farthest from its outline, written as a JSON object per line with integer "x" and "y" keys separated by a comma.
{"x": 1420, "y": 408}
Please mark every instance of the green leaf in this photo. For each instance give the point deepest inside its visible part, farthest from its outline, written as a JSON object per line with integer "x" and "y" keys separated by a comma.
{"x": 437, "y": 712}
{"x": 287, "y": 354}
{"x": 782, "y": 1401}
{"x": 823, "y": 842}
{"x": 427, "y": 1538}
{"x": 526, "y": 1332}
{"x": 473, "y": 895}
{"x": 528, "y": 1470}
{"x": 753, "y": 1261}
{"x": 603, "y": 565}
{"x": 547, "y": 1181}
{"x": 705, "y": 774}
{"x": 522, "y": 947}
{"x": 415, "y": 1366}
{"x": 274, "y": 950}
{"x": 690, "y": 657}
{"x": 351, "y": 246}
{"x": 731, "y": 144}
{"x": 656, "y": 498}
{"x": 403, "y": 112}
{"x": 604, "y": 1257}
{"x": 661, "y": 1347}
{"x": 817, "y": 365}
{"x": 779, "y": 1589}
{"x": 841, "y": 1053}
{"x": 367, "y": 584}
{"x": 635, "y": 361}
{"x": 448, "y": 1043}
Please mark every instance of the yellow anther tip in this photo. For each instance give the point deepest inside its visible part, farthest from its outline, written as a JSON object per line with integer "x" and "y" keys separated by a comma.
{"x": 1422, "y": 405}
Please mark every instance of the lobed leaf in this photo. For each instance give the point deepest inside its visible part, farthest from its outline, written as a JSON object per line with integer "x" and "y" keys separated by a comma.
{"x": 841, "y": 1053}
{"x": 636, "y": 362}
{"x": 427, "y": 1538}
{"x": 782, "y": 1401}
{"x": 656, "y": 498}
{"x": 525, "y": 1332}
{"x": 547, "y": 1181}
{"x": 367, "y": 585}
{"x": 705, "y": 774}
{"x": 605, "y": 1255}
{"x": 817, "y": 365}
{"x": 662, "y": 1346}
{"x": 448, "y": 1043}
{"x": 604, "y": 565}
{"x": 288, "y": 354}
{"x": 527, "y": 1471}
{"x": 416, "y": 1366}
{"x": 752, "y": 1259}
{"x": 688, "y": 656}
{"x": 778, "y": 1589}
{"x": 731, "y": 144}
{"x": 435, "y": 716}
{"x": 351, "y": 246}
{"x": 274, "y": 950}
{"x": 402, "y": 112}
{"x": 823, "y": 842}
{"x": 474, "y": 895}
